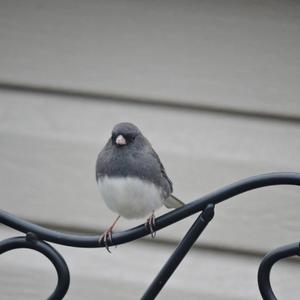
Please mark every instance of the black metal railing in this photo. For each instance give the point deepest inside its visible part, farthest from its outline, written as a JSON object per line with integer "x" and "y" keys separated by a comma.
{"x": 37, "y": 235}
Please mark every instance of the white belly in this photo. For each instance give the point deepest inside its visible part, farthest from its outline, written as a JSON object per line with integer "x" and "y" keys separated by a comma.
{"x": 130, "y": 197}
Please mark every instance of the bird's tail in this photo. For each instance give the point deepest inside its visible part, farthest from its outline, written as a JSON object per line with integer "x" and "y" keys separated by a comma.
{"x": 173, "y": 202}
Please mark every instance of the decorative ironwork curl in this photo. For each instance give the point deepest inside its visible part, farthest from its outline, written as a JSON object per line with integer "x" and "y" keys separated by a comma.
{"x": 32, "y": 242}
{"x": 267, "y": 263}
{"x": 36, "y": 235}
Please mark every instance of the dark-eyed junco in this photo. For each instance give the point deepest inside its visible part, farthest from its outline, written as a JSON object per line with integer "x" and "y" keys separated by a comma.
{"x": 131, "y": 178}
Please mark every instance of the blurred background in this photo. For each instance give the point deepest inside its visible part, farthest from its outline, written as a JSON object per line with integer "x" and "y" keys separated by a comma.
{"x": 214, "y": 85}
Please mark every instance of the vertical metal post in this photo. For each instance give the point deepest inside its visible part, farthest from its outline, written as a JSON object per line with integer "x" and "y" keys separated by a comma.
{"x": 179, "y": 253}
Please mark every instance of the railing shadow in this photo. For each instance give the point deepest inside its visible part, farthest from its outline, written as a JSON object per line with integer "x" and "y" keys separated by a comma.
{"x": 37, "y": 235}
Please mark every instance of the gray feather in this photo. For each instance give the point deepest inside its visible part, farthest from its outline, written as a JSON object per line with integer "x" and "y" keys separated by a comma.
{"x": 173, "y": 202}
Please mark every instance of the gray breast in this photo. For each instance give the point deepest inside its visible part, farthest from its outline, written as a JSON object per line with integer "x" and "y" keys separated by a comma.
{"x": 125, "y": 162}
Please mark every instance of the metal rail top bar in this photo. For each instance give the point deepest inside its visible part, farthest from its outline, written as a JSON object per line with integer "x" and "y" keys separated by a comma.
{"x": 229, "y": 191}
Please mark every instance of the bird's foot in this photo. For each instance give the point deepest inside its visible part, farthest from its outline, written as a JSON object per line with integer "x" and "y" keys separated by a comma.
{"x": 106, "y": 238}
{"x": 150, "y": 223}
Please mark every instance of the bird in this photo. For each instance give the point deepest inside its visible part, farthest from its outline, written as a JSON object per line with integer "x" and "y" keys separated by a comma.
{"x": 132, "y": 179}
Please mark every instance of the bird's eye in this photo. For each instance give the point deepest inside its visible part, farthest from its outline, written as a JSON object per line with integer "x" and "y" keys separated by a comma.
{"x": 129, "y": 137}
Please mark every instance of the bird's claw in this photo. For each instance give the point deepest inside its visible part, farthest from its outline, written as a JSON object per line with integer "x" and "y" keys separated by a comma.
{"x": 106, "y": 239}
{"x": 150, "y": 223}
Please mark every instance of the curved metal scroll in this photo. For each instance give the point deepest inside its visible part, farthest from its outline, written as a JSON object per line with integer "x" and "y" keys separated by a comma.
{"x": 205, "y": 204}
{"x": 31, "y": 242}
{"x": 267, "y": 263}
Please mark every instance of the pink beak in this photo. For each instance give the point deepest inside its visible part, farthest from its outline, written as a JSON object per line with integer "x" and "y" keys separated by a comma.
{"x": 120, "y": 140}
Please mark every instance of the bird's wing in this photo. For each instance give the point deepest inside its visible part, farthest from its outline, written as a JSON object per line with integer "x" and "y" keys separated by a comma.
{"x": 173, "y": 202}
{"x": 162, "y": 169}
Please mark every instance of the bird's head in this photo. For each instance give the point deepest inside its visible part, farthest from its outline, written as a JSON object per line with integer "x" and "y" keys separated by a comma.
{"x": 124, "y": 134}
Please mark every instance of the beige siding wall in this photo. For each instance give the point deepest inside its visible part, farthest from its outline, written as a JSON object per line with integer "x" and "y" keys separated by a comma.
{"x": 234, "y": 54}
